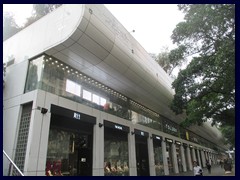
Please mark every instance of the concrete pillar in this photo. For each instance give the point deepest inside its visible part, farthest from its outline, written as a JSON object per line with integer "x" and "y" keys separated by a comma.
{"x": 183, "y": 158}
{"x": 151, "y": 157}
{"x": 165, "y": 163}
{"x": 98, "y": 149}
{"x": 175, "y": 161}
{"x": 189, "y": 159}
{"x": 37, "y": 142}
{"x": 203, "y": 158}
{"x": 193, "y": 155}
{"x": 132, "y": 154}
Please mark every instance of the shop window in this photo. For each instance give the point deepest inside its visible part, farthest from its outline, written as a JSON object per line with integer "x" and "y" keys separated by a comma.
{"x": 158, "y": 157}
{"x": 87, "y": 95}
{"x": 103, "y": 101}
{"x": 115, "y": 153}
{"x": 73, "y": 87}
{"x": 96, "y": 99}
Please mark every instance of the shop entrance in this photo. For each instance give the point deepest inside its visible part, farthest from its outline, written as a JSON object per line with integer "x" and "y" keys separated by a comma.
{"x": 70, "y": 146}
{"x": 142, "y": 156}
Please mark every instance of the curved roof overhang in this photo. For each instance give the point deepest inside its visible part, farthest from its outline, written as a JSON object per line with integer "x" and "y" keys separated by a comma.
{"x": 103, "y": 49}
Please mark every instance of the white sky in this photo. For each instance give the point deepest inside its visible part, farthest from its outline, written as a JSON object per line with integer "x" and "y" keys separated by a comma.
{"x": 153, "y": 23}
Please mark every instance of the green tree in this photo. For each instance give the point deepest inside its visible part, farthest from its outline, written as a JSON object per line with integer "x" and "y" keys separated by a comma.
{"x": 169, "y": 60}
{"x": 9, "y": 26}
{"x": 205, "y": 90}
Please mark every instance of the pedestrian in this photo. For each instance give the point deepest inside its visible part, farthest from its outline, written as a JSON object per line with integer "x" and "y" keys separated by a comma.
{"x": 197, "y": 170}
{"x": 208, "y": 166}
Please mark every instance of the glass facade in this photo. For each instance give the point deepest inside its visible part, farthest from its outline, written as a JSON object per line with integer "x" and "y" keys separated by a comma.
{"x": 158, "y": 157}
{"x": 179, "y": 158}
{"x": 169, "y": 156}
{"x": 52, "y": 75}
{"x": 115, "y": 153}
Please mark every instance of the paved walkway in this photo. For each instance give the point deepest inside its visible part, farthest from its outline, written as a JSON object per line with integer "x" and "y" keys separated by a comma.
{"x": 216, "y": 170}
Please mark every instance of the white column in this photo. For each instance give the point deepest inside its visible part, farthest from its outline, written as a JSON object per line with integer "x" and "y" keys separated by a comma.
{"x": 37, "y": 142}
{"x": 189, "y": 158}
{"x": 165, "y": 163}
{"x": 203, "y": 158}
{"x": 132, "y": 154}
{"x": 151, "y": 157}
{"x": 175, "y": 161}
{"x": 194, "y": 155}
{"x": 183, "y": 158}
{"x": 98, "y": 149}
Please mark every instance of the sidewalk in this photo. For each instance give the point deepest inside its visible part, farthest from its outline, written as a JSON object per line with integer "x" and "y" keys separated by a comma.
{"x": 216, "y": 170}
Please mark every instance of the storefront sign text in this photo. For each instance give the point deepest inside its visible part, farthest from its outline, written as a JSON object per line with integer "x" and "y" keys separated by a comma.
{"x": 76, "y": 115}
{"x": 118, "y": 127}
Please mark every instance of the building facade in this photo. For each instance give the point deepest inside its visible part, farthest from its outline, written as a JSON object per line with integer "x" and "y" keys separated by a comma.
{"x": 82, "y": 97}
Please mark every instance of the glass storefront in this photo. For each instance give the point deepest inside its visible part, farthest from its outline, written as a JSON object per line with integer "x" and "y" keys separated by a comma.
{"x": 179, "y": 158}
{"x": 169, "y": 155}
{"x": 142, "y": 153}
{"x": 115, "y": 150}
{"x": 191, "y": 152}
{"x": 68, "y": 154}
{"x": 186, "y": 155}
{"x": 69, "y": 144}
{"x": 158, "y": 156}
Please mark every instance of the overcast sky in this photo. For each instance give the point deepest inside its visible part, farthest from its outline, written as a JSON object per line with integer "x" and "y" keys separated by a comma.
{"x": 153, "y": 23}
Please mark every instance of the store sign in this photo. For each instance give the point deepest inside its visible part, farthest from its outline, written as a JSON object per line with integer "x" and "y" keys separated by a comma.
{"x": 68, "y": 113}
{"x": 169, "y": 140}
{"x": 156, "y": 137}
{"x": 76, "y": 115}
{"x": 118, "y": 127}
{"x": 177, "y": 142}
{"x": 141, "y": 133}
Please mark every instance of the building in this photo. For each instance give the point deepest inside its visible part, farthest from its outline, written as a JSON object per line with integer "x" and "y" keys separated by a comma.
{"x": 82, "y": 97}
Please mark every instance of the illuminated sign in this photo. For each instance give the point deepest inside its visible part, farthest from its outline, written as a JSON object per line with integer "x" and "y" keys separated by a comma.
{"x": 118, "y": 127}
{"x": 76, "y": 116}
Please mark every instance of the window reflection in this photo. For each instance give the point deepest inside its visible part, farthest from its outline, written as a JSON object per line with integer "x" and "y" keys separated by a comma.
{"x": 158, "y": 157}
{"x": 115, "y": 153}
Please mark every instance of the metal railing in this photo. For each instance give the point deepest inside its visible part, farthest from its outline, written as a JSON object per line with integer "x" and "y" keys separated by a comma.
{"x": 12, "y": 164}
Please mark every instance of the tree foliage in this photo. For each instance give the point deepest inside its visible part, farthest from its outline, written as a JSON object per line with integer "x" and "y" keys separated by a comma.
{"x": 169, "y": 60}
{"x": 205, "y": 90}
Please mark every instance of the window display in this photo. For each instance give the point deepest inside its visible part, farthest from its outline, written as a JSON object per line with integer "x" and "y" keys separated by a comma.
{"x": 68, "y": 154}
{"x": 115, "y": 153}
{"x": 158, "y": 157}
{"x": 169, "y": 155}
{"x": 179, "y": 158}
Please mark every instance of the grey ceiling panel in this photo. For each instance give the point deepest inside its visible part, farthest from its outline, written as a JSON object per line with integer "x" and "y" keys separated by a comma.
{"x": 85, "y": 54}
{"x": 68, "y": 42}
{"x": 93, "y": 47}
{"x": 76, "y": 35}
{"x": 82, "y": 63}
{"x": 116, "y": 64}
{"x": 99, "y": 37}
